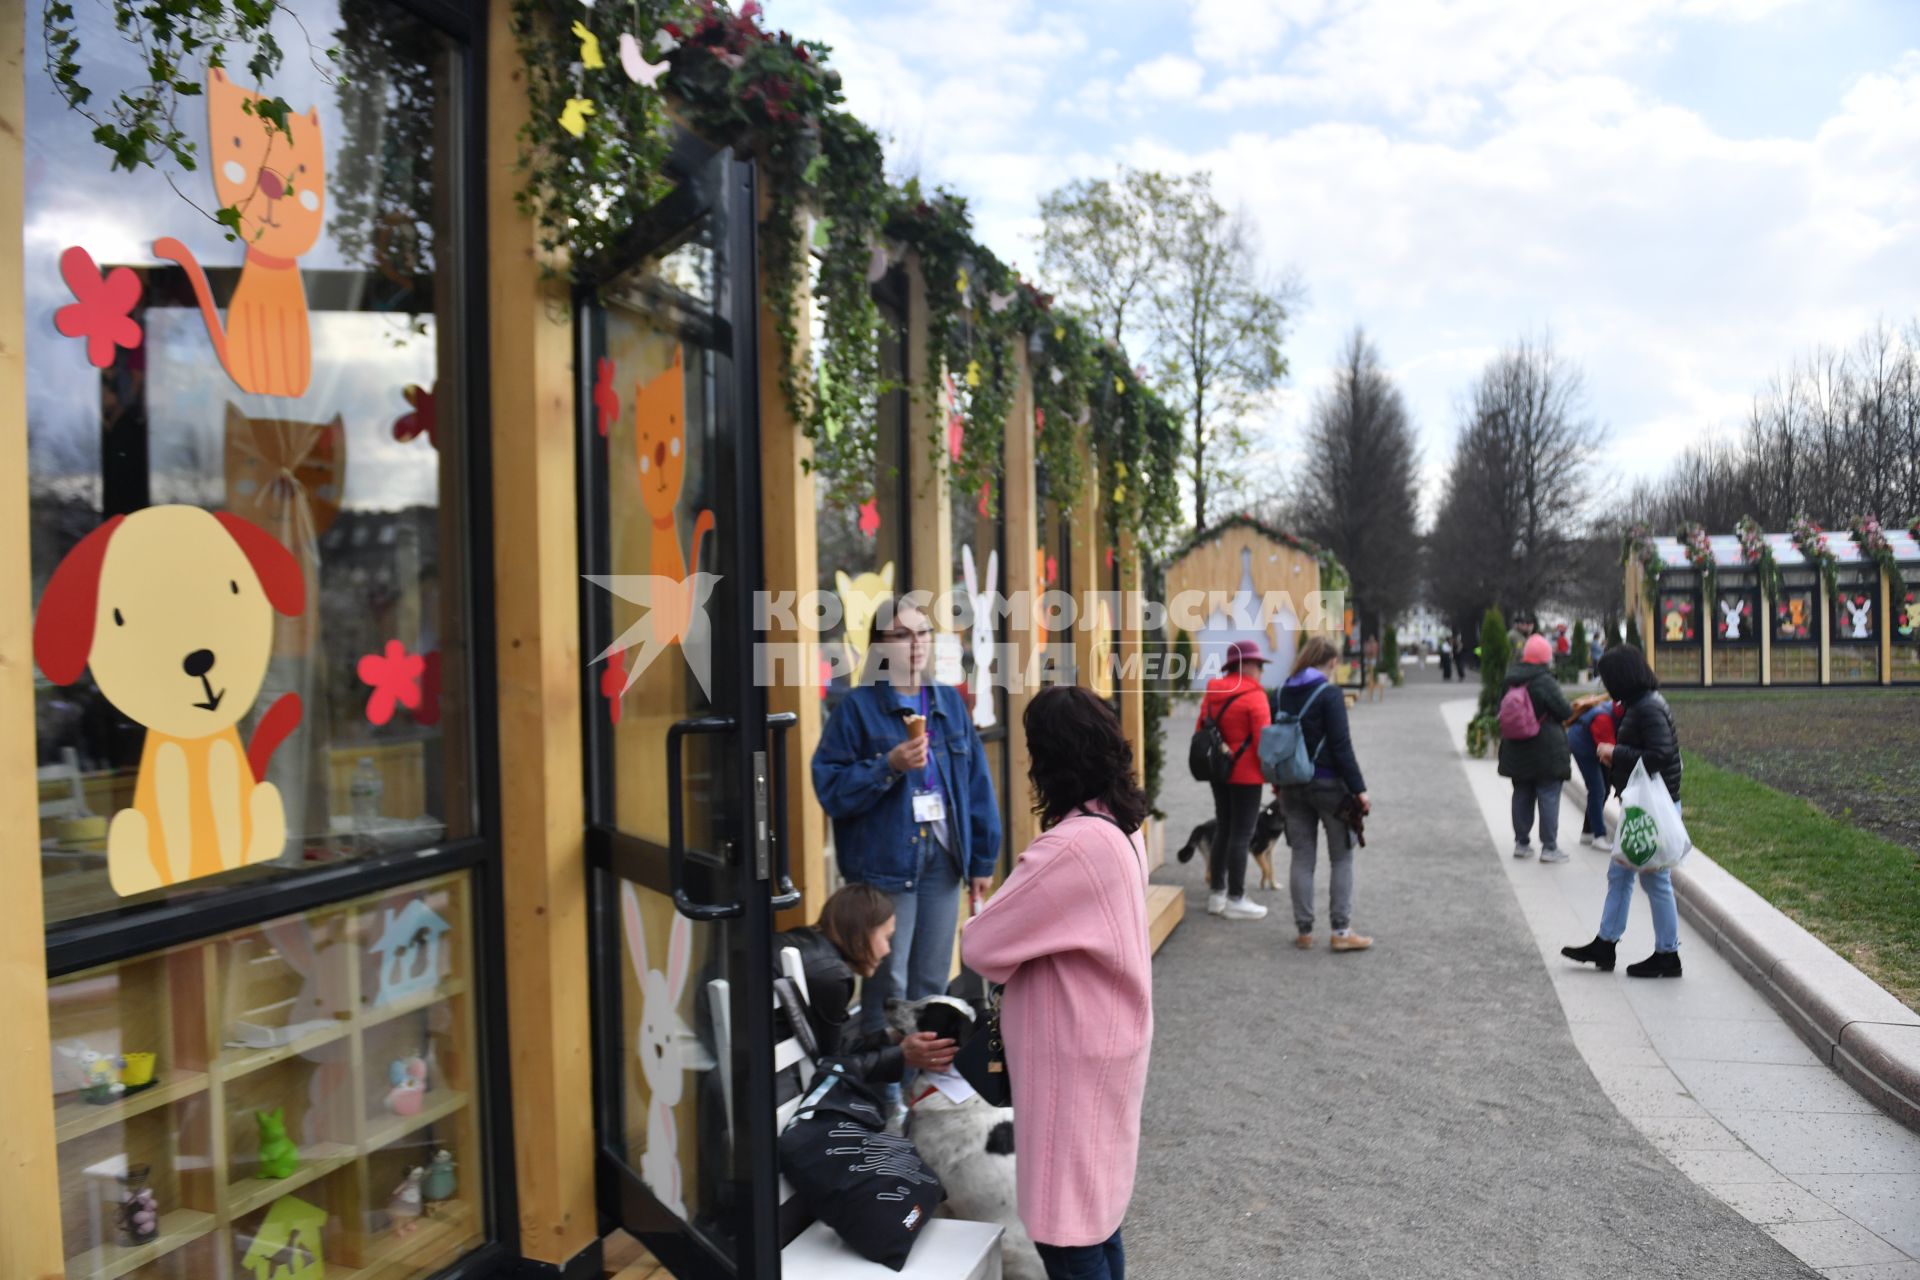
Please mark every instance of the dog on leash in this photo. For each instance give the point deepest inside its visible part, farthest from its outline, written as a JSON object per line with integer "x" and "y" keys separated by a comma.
{"x": 968, "y": 1143}
{"x": 1267, "y": 829}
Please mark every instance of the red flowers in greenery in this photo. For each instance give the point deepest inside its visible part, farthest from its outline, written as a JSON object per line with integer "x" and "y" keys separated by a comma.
{"x": 870, "y": 516}
{"x": 102, "y": 311}
{"x": 395, "y": 678}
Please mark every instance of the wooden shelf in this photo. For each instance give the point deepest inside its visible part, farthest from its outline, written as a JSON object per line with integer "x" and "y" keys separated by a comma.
{"x": 374, "y": 1015}
{"x": 436, "y": 1106}
{"x": 316, "y": 1162}
{"x": 403, "y": 1255}
{"x": 233, "y": 1063}
{"x": 179, "y": 1228}
{"x": 73, "y": 1119}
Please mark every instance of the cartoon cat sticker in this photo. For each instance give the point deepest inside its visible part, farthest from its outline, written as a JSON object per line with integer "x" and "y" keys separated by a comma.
{"x": 279, "y": 185}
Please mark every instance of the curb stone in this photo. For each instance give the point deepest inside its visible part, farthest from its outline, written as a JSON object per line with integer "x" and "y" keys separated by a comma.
{"x": 1849, "y": 1021}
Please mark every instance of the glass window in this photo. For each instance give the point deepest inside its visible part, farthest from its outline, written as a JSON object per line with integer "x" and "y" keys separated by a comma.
{"x": 246, "y": 525}
{"x": 1736, "y": 613}
{"x": 300, "y": 1093}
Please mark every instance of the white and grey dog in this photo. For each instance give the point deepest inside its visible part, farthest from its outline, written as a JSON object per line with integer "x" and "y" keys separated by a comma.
{"x": 964, "y": 1139}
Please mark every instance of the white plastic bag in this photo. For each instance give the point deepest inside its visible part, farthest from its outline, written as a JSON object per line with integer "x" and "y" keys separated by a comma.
{"x": 1652, "y": 837}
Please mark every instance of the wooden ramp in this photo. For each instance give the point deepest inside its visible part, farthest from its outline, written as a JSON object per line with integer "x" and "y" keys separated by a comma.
{"x": 1166, "y": 903}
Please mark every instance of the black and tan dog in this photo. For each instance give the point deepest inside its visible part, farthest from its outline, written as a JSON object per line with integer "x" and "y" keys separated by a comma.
{"x": 1267, "y": 830}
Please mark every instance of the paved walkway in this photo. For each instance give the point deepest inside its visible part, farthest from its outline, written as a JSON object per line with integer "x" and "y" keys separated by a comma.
{"x": 1419, "y": 1110}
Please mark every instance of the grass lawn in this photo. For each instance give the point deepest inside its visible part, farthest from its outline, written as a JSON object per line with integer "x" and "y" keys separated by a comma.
{"x": 1855, "y": 891}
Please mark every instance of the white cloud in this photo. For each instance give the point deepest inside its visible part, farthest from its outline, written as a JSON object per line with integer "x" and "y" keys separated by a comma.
{"x": 1168, "y": 78}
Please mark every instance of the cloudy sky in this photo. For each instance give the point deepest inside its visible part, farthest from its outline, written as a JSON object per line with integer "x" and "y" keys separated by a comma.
{"x": 1686, "y": 193}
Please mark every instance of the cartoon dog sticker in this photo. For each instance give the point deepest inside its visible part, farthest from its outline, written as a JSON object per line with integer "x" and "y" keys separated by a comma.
{"x": 172, "y": 608}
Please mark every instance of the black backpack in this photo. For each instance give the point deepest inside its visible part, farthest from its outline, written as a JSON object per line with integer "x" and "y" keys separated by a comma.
{"x": 1208, "y": 757}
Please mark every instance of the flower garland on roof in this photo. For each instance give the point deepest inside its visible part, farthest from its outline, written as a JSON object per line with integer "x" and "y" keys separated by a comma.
{"x": 1699, "y": 551}
{"x": 1872, "y": 539}
{"x": 1811, "y": 541}
{"x": 1758, "y": 552}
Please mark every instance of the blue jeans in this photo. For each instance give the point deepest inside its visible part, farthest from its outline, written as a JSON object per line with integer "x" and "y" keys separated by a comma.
{"x": 925, "y": 917}
{"x": 1544, "y": 794}
{"x": 1104, "y": 1261}
{"x": 1580, "y": 741}
{"x": 1658, "y": 886}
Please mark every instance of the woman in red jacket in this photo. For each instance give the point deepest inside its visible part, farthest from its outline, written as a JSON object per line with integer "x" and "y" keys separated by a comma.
{"x": 1238, "y": 704}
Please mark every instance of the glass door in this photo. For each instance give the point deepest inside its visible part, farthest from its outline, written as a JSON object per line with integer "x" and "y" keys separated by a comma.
{"x": 684, "y": 828}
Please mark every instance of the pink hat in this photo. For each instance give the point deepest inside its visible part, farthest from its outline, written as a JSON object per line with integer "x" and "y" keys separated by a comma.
{"x": 1241, "y": 652}
{"x": 1537, "y": 650}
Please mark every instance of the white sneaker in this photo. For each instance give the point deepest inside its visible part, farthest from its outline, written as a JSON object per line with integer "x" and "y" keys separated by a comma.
{"x": 1586, "y": 839}
{"x": 1523, "y": 851}
{"x": 1243, "y": 909}
{"x": 1553, "y": 855}
{"x": 1216, "y": 904}
{"x": 1603, "y": 843}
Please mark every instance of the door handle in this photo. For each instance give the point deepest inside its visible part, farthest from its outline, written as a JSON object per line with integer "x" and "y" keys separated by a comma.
{"x": 786, "y": 895}
{"x": 676, "y": 822}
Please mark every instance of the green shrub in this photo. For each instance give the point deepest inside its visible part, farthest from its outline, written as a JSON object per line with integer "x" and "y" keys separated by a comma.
{"x": 1495, "y": 653}
{"x": 1482, "y": 733}
{"x": 1390, "y": 655}
{"x": 1582, "y": 652}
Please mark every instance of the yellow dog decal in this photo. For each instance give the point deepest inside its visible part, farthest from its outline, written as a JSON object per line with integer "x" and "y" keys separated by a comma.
{"x": 172, "y": 608}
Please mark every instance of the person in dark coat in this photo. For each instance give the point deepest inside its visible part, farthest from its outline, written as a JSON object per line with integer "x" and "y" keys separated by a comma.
{"x": 1310, "y": 693}
{"x": 853, "y": 936}
{"x": 1645, "y": 735}
{"x": 1539, "y": 765}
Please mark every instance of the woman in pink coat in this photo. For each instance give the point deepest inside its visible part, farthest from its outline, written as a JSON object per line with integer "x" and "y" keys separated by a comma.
{"x": 1067, "y": 935}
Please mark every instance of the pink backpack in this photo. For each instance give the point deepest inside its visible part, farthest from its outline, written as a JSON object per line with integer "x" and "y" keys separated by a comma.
{"x": 1518, "y": 719}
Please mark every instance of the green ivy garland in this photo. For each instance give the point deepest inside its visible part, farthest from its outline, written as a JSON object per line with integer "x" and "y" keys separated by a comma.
{"x": 1871, "y": 537}
{"x": 1638, "y": 545}
{"x": 1758, "y": 552}
{"x": 176, "y": 41}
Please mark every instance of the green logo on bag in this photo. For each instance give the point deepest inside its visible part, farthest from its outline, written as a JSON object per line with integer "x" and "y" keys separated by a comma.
{"x": 1639, "y": 837}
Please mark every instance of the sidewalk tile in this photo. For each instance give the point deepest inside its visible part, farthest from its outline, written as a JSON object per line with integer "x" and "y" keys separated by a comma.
{"x": 1755, "y": 1086}
{"x": 1887, "y": 1203}
{"x": 1800, "y": 1144}
{"x": 1908, "y": 1270}
{"x": 1722, "y": 1167}
{"x": 1684, "y": 1133}
{"x": 1839, "y": 1243}
{"x": 1774, "y": 1202}
{"x": 1730, "y": 1040}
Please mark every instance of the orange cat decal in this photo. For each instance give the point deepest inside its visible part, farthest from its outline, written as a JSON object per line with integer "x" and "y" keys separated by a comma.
{"x": 279, "y": 186}
{"x": 660, "y": 441}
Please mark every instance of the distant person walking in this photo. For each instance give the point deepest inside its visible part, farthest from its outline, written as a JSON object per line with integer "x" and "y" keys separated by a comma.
{"x": 1336, "y": 792}
{"x": 1237, "y": 703}
{"x": 1446, "y": 660}
{"x": 1533, "y": 748}
{"x": 1645, "y": 735}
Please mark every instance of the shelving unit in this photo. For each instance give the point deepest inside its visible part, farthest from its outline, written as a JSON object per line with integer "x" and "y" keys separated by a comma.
{"x": 196, "y": 1129}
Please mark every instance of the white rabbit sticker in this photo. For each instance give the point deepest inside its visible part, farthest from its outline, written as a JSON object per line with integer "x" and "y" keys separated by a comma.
{"x": 1731, "y": 611}
{"x": 980, "y": 595}
{"x": 663, "y": 1033}
{"x": 1861, "y": 611}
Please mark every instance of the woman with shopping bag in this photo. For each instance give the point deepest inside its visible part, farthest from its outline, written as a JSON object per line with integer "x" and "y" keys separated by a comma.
{"x": 1645, "y": 753}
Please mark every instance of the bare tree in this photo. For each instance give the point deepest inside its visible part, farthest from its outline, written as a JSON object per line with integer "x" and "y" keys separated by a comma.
{"x": 1358, "y": 493}
{"x": 1513, "y": 517}
{"x": 1218, "y": 328}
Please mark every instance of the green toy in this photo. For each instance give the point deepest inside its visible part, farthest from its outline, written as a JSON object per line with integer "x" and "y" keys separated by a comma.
{"x": 278, "y": 1156}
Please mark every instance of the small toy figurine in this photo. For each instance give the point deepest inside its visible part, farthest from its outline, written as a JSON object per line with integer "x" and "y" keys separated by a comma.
{"x": 139, "y": 1210}
{"x": 441, "y": 1182}
{"x": 404, "y": 1205}
{"x": 409, "y": 1079}
{"x": 279, "y": 1157}
{"x": 102, "y": 1077}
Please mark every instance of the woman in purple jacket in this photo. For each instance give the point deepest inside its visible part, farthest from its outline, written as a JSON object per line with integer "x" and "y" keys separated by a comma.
{"x": 1310, "y": 694}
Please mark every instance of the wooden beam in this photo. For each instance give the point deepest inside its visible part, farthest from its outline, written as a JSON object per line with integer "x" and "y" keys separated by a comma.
{"x": 791, "y": 555}
{"x": 1766, "y": 634}
{"x": 30, "y": 1241}
{"x": 1826, "y": 629}
{"x": 1886, "y": 629}
{"x": 927, "y": 467}
{"x": 542, "y": 797}
{"x": 1017, "y": 567}
{"x": 1088, "y": 539}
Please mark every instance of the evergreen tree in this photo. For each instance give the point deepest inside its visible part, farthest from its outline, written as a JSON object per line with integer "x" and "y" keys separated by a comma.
{"x": 1582, "y": 654}
{"x": 1495, "y": 653}
{"x": 1390, "y": 655}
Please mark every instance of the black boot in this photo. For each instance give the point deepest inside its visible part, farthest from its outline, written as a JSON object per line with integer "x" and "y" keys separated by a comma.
{"x": 1661, "y": 964}
{"x": 1598, "y": 952}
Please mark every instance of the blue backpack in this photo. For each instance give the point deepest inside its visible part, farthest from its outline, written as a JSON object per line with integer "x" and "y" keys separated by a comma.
{"x": 1283, "y": 746}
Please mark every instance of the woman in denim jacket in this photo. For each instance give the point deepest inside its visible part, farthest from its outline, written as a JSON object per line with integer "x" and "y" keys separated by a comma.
{"x": 913, "y": 816}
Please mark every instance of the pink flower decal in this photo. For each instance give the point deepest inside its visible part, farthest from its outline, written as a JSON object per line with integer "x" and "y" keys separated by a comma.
{"x": 394, "y": 677}
{"x": 102, "y": 312}
{"x": 870, "y": 516}
{"x": 613, "y": 683}
{"x": 423, "y": 421}
{"x": 606, "y": 401}
{"x": 1053, "y": 570}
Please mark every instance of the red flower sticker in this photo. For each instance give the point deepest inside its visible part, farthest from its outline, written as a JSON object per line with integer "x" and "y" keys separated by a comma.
{"x": 102, "y": 312}
{"x": 613, "y": 683}
{"x": 986, "y": 498}
{"x": 1053, "y": 570}
{"x": 870, "y": 516}
{"x": 423, "y": 421}
{"x": 606, "y": 401}
{"x": 394, "y": 677}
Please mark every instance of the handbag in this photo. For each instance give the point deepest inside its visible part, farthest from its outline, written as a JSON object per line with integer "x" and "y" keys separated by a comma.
{"x": 869, "y": 1185}
{"x": 982, "y": 1060}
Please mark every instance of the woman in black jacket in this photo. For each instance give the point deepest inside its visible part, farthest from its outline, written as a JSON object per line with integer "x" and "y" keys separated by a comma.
{"x": 1645, "y": 735}
{"x": 1310, "y": 694}
{"x": 853, "y": 936}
